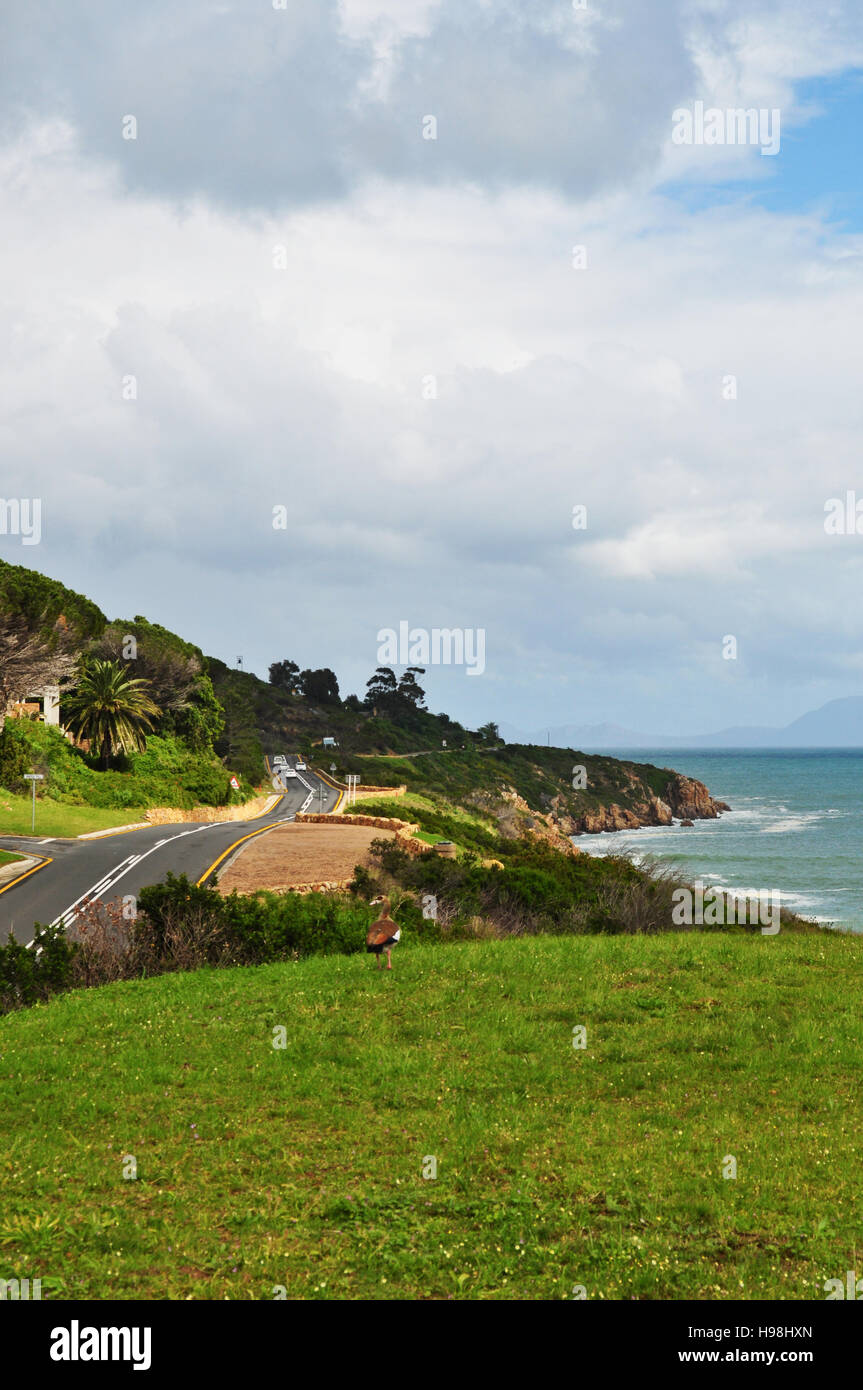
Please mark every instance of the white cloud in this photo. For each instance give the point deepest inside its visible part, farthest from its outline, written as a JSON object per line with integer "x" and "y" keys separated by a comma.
{"x": 554, "y": 386}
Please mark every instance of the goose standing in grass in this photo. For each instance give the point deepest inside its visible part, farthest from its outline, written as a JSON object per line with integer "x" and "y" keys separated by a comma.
{"x": 383, "y": 934}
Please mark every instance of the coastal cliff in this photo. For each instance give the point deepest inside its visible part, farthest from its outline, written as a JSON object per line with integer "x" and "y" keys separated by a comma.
{"x": 549, "y": 793}
{"x": 682, "y": 798}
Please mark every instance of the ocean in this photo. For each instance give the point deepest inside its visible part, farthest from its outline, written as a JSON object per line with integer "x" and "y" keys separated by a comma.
{"x": 796, "y": 825}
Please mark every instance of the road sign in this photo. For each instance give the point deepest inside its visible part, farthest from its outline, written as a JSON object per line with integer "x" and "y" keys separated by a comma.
{"x": 34, "y": 777}
{"x": 235, "y": 784}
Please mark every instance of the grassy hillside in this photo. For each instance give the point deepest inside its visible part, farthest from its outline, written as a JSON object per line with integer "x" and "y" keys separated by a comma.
{"x": 168, "y": 773}
{"x": 302, "y": 1167}
{"x": 475, "y": 777}
{"x": 465, "y": 777}
{"x": 260, "y": 718}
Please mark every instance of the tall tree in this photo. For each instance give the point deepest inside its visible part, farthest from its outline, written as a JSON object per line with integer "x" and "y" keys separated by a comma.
{"x": 382, "y": 690}
{"x": 284, "y": 674}
{"x": 320, "y": 686}
{"x": 111, "y": 709}
{"x": 410, "y": 692}
{"x": 176, "y": 676}
{"x": 43, "y": 627}
{"x": 29, "y": 660}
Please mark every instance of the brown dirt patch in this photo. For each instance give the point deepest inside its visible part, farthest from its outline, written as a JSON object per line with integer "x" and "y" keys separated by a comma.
{"x": 300, "y": 856}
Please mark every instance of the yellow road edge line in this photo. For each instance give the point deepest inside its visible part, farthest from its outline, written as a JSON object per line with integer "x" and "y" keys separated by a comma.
{"x": 336, "y": 788}
{"x": 21, "y": 877}
{"x": 329, "y": 780}
{"x": 260, "y": 813}
{"x": 241, "y": 841}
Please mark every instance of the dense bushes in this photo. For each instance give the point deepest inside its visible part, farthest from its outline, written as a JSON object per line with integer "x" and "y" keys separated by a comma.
{"x": 538, "y": 890}
{"x": 180, "y": 926}
{"x": 14, "y": 759}
{"x": 262, "y": 927}
{"x": 31, "y": 973}
{"x": 167, "y": 773}
{"x": 42, "y": 602}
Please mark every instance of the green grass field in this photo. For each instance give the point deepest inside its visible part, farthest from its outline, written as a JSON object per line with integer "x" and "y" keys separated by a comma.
{"x": 556, "y": 1166}
{"x": 6, "y": 858}
{"x": 56, "y": 818}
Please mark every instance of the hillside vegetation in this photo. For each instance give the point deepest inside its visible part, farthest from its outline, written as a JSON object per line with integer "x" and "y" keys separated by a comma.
{"x": 167, "y": 773}
{"x": 211, "y": 721}
{"x": 301, "y": 1168}
{"x": 51, "y": 635}
{"x": 264, "y": 718}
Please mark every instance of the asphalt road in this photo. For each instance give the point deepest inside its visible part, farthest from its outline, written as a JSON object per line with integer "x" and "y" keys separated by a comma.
{"x": 124, "y": 862}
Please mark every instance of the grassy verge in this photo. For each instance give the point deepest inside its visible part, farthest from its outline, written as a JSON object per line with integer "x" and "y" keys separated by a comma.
{"x": 6, "y": 858}
{"x": 556, "y": 1166}
{"x": 55, "y": 818}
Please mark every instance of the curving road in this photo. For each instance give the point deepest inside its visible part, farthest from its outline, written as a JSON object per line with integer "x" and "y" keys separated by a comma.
{"x": 123, "y": 862}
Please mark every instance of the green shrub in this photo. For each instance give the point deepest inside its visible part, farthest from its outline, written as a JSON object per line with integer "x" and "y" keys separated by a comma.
{"x": 167, "y": 773}
{"x": 14, "y": 757}
{"x": 31, "y": 973}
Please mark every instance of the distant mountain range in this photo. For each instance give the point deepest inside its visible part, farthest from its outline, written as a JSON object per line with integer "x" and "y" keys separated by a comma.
{"x": 838, "y": 724}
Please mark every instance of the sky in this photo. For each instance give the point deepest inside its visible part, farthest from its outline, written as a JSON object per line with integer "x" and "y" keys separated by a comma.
{"x": 415, "y": 279}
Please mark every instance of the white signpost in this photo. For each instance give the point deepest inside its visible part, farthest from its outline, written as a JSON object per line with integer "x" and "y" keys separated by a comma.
{"x": 352, "y": 780}
{"x": 34, "y": 777}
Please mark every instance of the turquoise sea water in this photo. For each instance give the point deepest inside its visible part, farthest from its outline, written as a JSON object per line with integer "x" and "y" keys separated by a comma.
{"x": 796, "y": 825}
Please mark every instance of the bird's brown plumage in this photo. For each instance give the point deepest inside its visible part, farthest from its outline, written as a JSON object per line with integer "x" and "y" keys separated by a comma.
{"x": 381, "y": 930}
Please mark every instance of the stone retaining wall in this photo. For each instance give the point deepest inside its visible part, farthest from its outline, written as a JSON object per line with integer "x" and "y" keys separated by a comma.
{"x": 403, "y": 829}
{"x": 171, "y": 815}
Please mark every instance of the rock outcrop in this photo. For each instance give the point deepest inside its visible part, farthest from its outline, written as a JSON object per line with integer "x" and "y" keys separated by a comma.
{"x": 690, "y": 800}
{"x": 683, "y": 798}
{"x": 515, "y": 817}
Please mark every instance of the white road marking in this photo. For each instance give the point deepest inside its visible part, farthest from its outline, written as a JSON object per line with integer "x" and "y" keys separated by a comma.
{"x": 113, "y": 876}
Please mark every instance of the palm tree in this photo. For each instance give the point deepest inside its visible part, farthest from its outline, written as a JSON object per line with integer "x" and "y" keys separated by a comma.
{"x": 110, "y": 709}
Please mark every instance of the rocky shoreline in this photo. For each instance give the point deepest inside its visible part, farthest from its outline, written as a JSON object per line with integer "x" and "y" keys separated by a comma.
{"x": 683, "y": 799}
